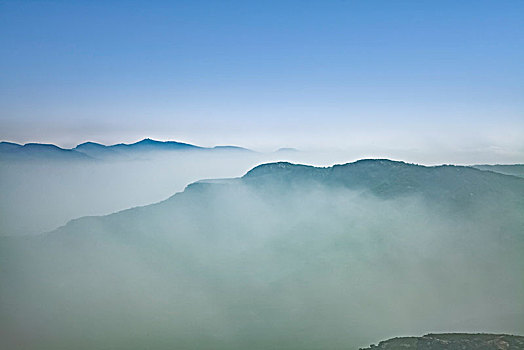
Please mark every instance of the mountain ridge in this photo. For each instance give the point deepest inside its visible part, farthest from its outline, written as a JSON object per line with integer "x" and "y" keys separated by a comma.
{"x": 33, "y": 150}
{"x": 388, "y": 178}
{"x": 95, "y": 150}
{"x": 277, "y": 171}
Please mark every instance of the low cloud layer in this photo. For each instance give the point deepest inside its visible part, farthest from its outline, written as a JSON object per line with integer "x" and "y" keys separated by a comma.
{"x": 262, "y": 264}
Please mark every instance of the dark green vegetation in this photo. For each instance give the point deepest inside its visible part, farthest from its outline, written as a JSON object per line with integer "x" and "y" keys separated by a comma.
{"x": 453, "y": 341}
{"x": 286, "y": 257}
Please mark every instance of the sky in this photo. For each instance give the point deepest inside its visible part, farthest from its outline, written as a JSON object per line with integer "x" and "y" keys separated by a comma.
{"x": 413, "y": 75}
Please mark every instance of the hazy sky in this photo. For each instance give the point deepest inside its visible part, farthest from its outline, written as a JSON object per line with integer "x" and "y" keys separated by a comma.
{"x": 310, "y": 74}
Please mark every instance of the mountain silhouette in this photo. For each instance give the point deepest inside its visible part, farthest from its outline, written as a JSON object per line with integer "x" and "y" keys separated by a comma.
{"x": 36, "y": 151}
{"x": 93, "y": 150}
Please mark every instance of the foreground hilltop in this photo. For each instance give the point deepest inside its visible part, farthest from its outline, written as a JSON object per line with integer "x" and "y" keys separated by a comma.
{"x": 453, "y": 341}
{"x": 452, "y": 186}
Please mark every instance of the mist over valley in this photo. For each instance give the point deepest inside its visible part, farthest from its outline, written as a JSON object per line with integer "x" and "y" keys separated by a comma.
{"x": 261, "y": 175}
{"x": 287, "y": 256}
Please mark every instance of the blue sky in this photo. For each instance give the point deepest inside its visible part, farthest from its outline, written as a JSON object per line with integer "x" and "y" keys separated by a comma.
{"x": 311, "y": 74}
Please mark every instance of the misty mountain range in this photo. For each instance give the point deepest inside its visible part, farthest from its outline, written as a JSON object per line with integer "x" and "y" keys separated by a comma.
{"x": 93, "y": 150}
{"x": 285, "y": 257}
{"x": 56, "y": 185}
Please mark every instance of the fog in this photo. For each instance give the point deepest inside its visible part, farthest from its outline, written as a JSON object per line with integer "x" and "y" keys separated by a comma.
{"x": 249, "y": 264}
{"x": 39, "y": 195}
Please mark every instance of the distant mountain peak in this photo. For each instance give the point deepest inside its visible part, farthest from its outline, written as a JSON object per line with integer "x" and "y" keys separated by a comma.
{"x": 10, "y": 143}
{"x": 41, "y": 145}
{"x": 89, "y": 144}
{"x": 7, "y": 146}
{"x": 148, "y": 141}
